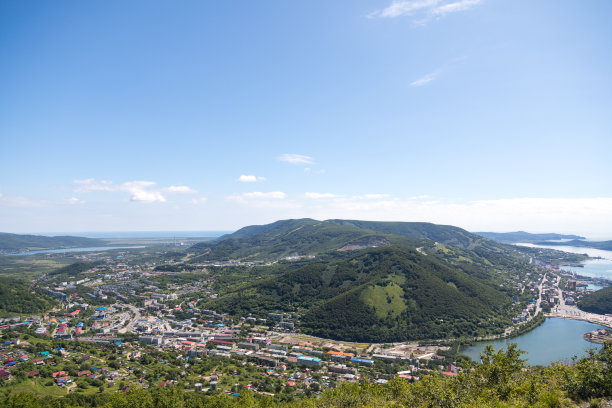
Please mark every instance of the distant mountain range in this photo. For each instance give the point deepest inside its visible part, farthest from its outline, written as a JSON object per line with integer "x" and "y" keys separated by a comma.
{"x": 13, "y": 243}
{"x": 372, "y": 281}
{"x": 522, "y": 236}
{"x": 605, "y": 245}
{"x": 551, "y": 239}
{"x": 310, "y": 237}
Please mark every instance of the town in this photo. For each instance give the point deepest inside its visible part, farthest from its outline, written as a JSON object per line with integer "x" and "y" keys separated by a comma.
{"x": 121, "y": 324}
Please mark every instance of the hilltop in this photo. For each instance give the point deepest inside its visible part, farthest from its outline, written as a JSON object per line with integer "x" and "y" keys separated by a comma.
{"x": 373, "y": 281}
{"x": 306, "y": 237}
{"x": 12, "y": 243}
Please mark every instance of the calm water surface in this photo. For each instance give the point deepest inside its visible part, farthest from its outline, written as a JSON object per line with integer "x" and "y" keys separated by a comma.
{"x": 554, "y": 340}
{"x": 595, "y": 268}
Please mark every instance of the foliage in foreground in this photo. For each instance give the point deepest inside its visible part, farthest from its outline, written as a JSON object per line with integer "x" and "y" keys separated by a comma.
{"x": 502, "y": 380}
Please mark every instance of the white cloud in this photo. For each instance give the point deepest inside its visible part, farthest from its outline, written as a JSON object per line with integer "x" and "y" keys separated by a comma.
{"x": 74, "y": 201}
{"x": 375, "y": 196}
{"x": 454, "y": 7}
{"x": 145, "y": 196}
{"x": 295, "y": 158}
{"x": 423, "y": 10}
{"x": 317, "y": 196}
{"x": 249, "y": 178}
{"x": 200, "y": 200}
{"x": 276, "y": 195}
{"x": 424, "y": 80}
{"x": 140, "y": 191}
{"x": 180, "y": 189}
{"x": 87, "y": 185}
{"x": 399, "y": 8}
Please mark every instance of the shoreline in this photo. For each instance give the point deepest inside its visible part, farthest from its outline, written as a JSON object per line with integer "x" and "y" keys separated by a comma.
{"x": 604, "y": 323}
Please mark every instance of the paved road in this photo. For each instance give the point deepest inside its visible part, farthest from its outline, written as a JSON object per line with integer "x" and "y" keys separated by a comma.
{"x": 539, "y": 301}
{"x": 136, "y": 311}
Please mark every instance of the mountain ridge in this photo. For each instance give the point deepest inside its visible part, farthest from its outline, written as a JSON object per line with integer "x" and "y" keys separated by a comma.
{"x": 527, "y": 237}
{"x": 285, "y": 238}
{"x": 20, "y": 243}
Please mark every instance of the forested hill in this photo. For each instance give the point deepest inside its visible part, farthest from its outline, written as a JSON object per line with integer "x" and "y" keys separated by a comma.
{"x": 383, "y": 294}
{"x": 17, "y": 296}
{"x": 522, "y": 236}
{"x": 11, "y": 243}
{"x": 599, "y": 302}
{"x": 310, "y": 237}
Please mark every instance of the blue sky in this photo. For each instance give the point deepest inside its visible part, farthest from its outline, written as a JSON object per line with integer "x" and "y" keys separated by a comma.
{"x": 191, "y": 115}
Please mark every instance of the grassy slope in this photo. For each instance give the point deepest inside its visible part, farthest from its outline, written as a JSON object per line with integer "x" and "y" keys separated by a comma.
{"x": 381, "y": 294}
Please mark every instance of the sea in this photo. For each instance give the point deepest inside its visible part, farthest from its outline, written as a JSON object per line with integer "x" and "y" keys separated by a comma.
{"x": 555, "y": 340}
{"x": 594, "y": 268}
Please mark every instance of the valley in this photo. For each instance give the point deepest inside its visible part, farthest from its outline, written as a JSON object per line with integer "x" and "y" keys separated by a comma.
{"x": 299, "y": 302}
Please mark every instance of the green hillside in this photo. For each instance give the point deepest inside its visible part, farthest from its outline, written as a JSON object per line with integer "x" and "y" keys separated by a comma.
{"x": 17, "y": 297}
{"x": 309, "y": 237}
{"x": 384, "y": 294}
{"x": 285, "y": 238}
{"x": 445, "y": 234}
{"x": 597, "y": 302}
{"x": 11, "y": 243}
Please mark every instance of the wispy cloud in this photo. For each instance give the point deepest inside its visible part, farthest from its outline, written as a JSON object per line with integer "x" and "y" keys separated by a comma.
{"x": 74, "y": 201}
{"x": 422, "y": 11}
{"x": 140, "y": 191}
{"x": 319, "y": 196}
{"x": 275, "y": 195}
{"x": 179, "y": 189}
{"x": 399, "y": 8}
{"x": 295, "y": 158}
{"x": 424, "y": 80}
{"x": 87, "y": 185}
{"x": 375, "y": 196}
{"x": 249, "y": 178}
{"x": 454, "y": 7}
{"x": 201, "y": 200}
